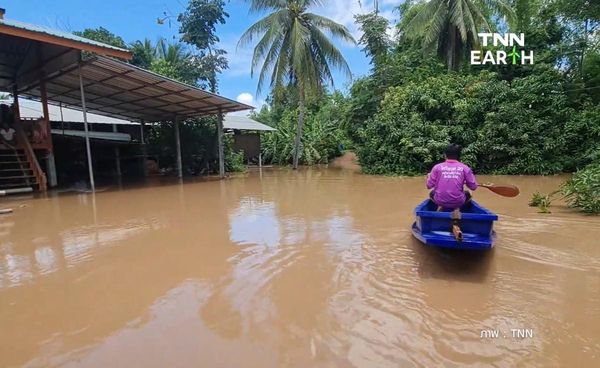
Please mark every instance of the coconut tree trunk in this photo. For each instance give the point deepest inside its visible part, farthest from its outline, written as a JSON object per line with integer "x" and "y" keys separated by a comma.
{"x": 300, "y": 127}
{"x": 451, "y": 48}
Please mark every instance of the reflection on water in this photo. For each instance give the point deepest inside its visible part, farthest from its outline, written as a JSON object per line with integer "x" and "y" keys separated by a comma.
{"x": 283, "y": 268}
{"x": 249, "y": 221}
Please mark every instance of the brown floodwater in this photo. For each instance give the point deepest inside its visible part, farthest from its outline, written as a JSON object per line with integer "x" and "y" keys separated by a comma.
{"x": 315, "y": 268}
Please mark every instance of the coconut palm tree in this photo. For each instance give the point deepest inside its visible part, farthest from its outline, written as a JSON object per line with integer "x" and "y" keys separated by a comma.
{"x": 174, "y": 53}
{"x": 450, "y": 26}
{"x": 294, "y": 49}
{"x": 143, "y": 53}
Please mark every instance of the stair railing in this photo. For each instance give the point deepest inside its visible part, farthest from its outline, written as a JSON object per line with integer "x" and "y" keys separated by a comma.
{"x": 33, "y": 162}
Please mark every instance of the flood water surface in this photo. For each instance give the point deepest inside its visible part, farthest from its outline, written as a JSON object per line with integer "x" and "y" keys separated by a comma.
{"x": 315, "y": 268}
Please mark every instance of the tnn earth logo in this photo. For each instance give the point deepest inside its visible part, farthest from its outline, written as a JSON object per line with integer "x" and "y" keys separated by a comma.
{"x": 515, "y": 56}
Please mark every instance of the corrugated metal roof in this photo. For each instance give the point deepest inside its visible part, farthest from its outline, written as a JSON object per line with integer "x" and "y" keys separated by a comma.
{"x": 105, "y": 136}
{"x": 120, "y": 90}
{"x": 56, "y": 33}
{"x": 244, "y": 123}
{"x": 33, "y": 109}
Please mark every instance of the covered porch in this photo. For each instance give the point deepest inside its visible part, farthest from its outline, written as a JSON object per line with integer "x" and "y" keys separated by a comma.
{"x": 58, "y": 68}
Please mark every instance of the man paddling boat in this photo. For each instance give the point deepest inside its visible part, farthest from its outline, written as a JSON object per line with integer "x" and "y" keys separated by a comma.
{"x": 447, "y": 180}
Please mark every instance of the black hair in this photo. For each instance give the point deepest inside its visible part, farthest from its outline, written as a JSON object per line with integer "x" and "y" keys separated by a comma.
{"x": 452, "y": 151}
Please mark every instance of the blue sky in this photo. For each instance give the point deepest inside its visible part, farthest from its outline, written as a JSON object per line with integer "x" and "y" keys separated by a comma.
{"x": 136, "y": 19}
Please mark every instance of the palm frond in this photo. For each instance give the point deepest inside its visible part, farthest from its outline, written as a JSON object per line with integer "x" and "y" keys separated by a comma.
{"x": 470, "y": 22}
{"x": 335, "y": 29}
{"x": 292, "y": 45}
{"x": 259, "y": 28}
{"x": 421, "y": 21}
{"x": 282, "y": 66}
{"x": 257, "y": 6}
{"x": 478, "y": 18}
{"x": 268, "y": 63}
{"x": 330, "y": 53}
{"x": 277, "y": 30}
{"x": 437, "y": 24}
{"x": 457, "y": 18}
{"x": 501, "y": 7}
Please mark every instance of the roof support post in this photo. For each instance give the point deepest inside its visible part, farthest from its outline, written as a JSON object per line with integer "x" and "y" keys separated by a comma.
{"x": 44, "y": 98}
{"x": 221, "y": 150}
{"x": 87, "y": 135}
{"x": 117, "y": 154}
{"x": 50, "y": 163}
{"x": 144, "y": 153}
{"x": 16, "y": 110}
{"x": 178, "y": 147}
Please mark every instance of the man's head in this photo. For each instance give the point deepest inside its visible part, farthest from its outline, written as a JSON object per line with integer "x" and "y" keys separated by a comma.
{"x": 452, "y": 152}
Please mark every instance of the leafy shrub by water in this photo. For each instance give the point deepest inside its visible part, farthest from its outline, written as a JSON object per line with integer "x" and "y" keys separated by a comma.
{"x": 322, "y": 139}
{"x": 582, "y": 191}
{"x": 515, "y": 128}
{"x": 542, "y": 201}
{"x": 235, "y": 161}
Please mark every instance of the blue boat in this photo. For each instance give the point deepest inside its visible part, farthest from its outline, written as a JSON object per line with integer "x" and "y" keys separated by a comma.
{"x": 435, "y": 228}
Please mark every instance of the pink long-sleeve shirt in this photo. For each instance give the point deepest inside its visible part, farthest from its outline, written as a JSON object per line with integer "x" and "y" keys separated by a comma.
{"x": 447, "y": 179}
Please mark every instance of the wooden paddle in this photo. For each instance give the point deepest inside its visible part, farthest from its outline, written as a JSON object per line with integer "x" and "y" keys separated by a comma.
{"x": 503, "y": 190}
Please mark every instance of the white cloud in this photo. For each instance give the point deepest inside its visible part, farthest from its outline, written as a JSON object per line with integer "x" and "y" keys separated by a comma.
{"x": 248, "y": 99}
{"x": 245, "y": 98}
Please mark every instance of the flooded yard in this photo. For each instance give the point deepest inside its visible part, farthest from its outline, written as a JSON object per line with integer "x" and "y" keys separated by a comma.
{"x": 292, "y": 269}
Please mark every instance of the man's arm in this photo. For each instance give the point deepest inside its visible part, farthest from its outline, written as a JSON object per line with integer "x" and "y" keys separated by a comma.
{"x": 470, "y": 179}
{"x": 432, "y": 178}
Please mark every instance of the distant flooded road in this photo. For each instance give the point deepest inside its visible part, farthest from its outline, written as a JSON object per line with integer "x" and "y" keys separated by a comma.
{"x": 315, "y": 268}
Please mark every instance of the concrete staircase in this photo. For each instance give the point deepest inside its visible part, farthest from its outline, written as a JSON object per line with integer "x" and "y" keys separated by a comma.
{"x": 16, "y": 170}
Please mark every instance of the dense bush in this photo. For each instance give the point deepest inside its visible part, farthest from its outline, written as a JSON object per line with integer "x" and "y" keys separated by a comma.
{"x": 198, "y": 145}
{"x": 408, "y": 133}
{"x": 235, "y": 161}
{"x": 582, "y": 191}
{"x": 515, "y": 128}
{"x": 523, "y": 126}
{"x": 402, "y": 66}
{"x": 582, "y": 137}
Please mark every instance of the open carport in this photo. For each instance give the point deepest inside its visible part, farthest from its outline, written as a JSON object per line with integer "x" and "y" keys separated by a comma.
{"x": 60, "y": 68}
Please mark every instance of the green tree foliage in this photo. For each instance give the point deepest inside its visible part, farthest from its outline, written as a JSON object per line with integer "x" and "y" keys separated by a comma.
{"x": 198, "y": 28}
{"x": 234, "y": 161}
{"x": 582, "y": 137}
{"x": 103, "y": 35}
{"x": 143, "y": 53}
{"x": 591, "y": 76}
{"x": 403, "y": 65}
{"x": 375, "y": 40}
{"x": 582, "y": 191}
{"x": 174, "y": 60}
{"x": 323, "y": 138}
{"x": 198, "y": 22}
{"x": 534, "y": 119}
{"x": 450, "y": 27}
{"x": 294, "y": 49}
{"x": 198, "y": 145}
{"x": 507, "y": 129}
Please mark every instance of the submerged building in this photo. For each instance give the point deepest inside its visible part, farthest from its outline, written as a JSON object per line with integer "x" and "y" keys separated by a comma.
{"x": 71, "y": 72}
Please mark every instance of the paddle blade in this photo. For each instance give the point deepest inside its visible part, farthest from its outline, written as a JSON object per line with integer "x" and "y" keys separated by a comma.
{"x": 503, "y": 190}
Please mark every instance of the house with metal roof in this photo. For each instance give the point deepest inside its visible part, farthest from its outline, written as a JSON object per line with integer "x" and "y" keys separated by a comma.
{"x": 62, "y": 69}
{"x": 246, "y": 136}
